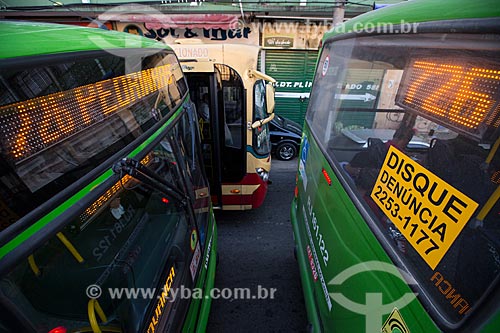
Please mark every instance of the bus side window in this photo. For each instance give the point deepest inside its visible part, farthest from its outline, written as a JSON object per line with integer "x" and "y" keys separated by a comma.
{"x": 461, "y": 163}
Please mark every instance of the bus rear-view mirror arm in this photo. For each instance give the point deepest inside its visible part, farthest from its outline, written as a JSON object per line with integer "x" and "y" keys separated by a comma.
{"x": 140, "y": 172}
{"x": 259, "y": 123}
{"x": 260, "y": 75}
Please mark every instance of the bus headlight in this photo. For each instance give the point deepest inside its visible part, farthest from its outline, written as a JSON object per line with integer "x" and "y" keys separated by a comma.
{"x": 263, "y": 174}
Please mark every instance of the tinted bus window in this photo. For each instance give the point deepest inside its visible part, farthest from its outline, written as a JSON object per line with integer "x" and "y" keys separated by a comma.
{"x": 70, "y": 130}
{"x": 194, "y": 173}
{"x": 233, "y": 100}
{"x": 261, "y": 138}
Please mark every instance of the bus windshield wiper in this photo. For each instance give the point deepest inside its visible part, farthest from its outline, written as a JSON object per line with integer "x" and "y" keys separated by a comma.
{"x": 140, "y": 172}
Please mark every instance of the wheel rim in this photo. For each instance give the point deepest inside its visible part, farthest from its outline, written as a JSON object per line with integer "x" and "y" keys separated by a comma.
{"x": 286, "y": 152}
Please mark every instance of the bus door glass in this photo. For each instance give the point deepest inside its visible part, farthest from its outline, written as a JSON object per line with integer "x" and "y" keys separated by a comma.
{"x": 231, "y": 119}
{"x": 193, "y": 172}
{"x": 261, "y": 135}
{"x": 202, "y": 87}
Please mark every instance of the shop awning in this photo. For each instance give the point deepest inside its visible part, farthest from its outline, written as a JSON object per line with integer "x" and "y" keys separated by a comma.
{"x": 157, "y": 21}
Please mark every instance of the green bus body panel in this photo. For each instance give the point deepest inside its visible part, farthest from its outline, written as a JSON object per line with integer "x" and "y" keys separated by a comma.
{"x": 349, "y": 241}
{"x": 421, "y": 11}
{"x": 46, "y": 38}
{"x": 304, "y": 270}
{"x": 199, "y": 309}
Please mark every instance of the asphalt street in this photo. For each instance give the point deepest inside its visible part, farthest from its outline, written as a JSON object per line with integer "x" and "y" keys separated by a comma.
{"x": 256, "y": 253}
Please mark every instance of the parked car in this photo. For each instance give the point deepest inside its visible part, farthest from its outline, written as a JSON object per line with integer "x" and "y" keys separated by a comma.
{"x": 285, "y": 137}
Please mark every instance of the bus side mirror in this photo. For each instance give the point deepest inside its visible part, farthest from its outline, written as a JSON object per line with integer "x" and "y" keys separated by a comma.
{"x": 269, "y": 88}
{"x": 270, "y": 98}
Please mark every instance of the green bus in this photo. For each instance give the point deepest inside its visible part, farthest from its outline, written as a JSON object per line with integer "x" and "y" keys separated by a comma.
{"x": 396, "y": 213}
{"x": 105, "y": 204}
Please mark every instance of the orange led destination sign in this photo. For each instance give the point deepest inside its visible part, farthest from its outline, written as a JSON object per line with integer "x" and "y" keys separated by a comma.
{"x": 163, "y": 299}
{"x": 35, "y": 124}
{"x": 429, "y": 212}
{"x": 460, "y": 94}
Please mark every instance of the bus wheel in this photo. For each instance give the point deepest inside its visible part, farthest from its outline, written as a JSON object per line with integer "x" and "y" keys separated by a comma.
{"x": 286, "y": 151}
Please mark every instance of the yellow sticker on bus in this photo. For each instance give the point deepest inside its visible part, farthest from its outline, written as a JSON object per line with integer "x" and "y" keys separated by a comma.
{"x": 428, "y": 211}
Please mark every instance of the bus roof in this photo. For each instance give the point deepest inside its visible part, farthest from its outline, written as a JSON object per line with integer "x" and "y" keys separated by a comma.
{"x": 20, "y": 39}
{"x": 416, "y": 11}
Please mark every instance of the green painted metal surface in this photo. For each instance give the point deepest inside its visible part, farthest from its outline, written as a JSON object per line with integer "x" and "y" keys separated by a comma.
{"x": 199, "y": 309}
{"x": 420, "y": 11}
{"x": 28, "y": 39}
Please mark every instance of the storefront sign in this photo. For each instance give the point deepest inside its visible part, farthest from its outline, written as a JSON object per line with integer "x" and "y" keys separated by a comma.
{"x": 167, "y": 34}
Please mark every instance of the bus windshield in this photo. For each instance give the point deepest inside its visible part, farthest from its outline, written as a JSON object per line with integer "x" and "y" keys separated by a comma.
{"x": 122, "y": 240}
{"x": 44, "y": 152}
{"x": 410, "y": 124}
